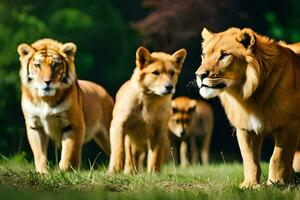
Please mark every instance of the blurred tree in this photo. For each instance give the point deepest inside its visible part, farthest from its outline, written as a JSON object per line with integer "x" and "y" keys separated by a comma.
{"x": 16, "y": 26}
{"x": 173, "y": 22}
{"x": 280, "y": 27}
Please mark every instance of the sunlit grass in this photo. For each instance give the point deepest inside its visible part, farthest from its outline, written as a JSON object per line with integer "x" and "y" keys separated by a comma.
{"x": 216, "y": 181}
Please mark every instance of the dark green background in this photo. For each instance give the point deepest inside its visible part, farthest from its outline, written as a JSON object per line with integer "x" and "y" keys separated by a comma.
{"x": 108, "y": 32}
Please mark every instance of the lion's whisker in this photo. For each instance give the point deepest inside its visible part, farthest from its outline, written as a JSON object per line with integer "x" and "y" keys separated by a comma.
{"x": 192, "y": 83}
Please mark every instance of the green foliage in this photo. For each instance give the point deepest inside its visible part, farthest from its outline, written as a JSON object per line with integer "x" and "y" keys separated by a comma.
{"x": 65, "y": 18}
{"x": 16, "y": 27}
{"x": 284, "y": 29}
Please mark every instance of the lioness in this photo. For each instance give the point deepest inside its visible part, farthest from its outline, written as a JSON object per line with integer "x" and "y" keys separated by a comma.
{"x": 58, "y": 106}
{"x": 191, "y": 122}
{"x": 258, "y": 83}
{"x": 142, "y": 110}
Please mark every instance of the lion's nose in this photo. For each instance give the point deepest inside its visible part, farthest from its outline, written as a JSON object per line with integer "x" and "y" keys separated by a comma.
{"x": 169, "y": 87}
{"x": 202, "y": 75}
{"x": 182, "y": 134}
{"x": 48, "y": 82}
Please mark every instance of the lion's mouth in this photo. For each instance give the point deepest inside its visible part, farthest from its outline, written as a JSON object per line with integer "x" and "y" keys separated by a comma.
{"x": 47, "y": 89}
{"x": 216, "y": 86}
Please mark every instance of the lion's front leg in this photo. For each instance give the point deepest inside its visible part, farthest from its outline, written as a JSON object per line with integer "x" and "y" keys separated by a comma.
{"x": 281, "y": 162}
{"x": 250, "y": 146}
{"x": 205, "y": 150}
{"x": 117, "y": 140}
{"x": 38, "y": 141}
{"x": 194, "y": 151}
{"x": 155, "y": 157}
{"x": 141, "y": 158}
{"x": 129, "y": 167}
{"x": 156, "y": 151}
{"x": 296, "y": 161}
{"x": 184, "y": 161}
{"x": 72, "y": 143}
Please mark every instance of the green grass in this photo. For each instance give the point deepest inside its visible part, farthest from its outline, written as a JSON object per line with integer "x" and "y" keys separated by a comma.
{"x": 18, "y": 180}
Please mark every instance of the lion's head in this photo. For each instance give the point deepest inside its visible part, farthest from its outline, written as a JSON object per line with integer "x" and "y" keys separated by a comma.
{"x": 183, "y": 111}
{"x": 157, "y": 72}
{"x": 47, "y": 65}
{"x": 228, "y": 62}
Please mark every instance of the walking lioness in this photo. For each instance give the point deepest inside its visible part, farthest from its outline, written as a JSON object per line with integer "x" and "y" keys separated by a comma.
{"x": 142, "y": 110}
{"x": 58, "y": 106}
{"x": 258, "y": 82}
{"x": 192, "y": 123}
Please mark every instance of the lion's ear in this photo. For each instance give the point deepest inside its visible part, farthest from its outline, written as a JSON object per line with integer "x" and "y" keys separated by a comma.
{"x": 173, "y": 105}
{"x": 179, "y": 56}
{"x": 24, "y": 49}
{"x": 68, "y": 49}
{"x": 143, "y": 57}
{"x": 246, "y": 38}
{"x": 193, "y": 105}
{"x": 206, "y": 34}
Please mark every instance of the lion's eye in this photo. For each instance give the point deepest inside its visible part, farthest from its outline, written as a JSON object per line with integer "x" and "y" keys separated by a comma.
{"x": 156, "y": 73}
{"x": 172, "y": 73}
{"x": 55, "y": 65}
{"x": 224, "y": 55}
{"x": 174, "y": 110}
{"x": 37, "y": 65}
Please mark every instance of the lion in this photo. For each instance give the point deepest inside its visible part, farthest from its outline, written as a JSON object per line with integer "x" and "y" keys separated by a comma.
{"x": 142, "y": 110}
{"x": 257, "y": 81}
{"x": 191, "y": 123}
{"x": 58, "y": 106}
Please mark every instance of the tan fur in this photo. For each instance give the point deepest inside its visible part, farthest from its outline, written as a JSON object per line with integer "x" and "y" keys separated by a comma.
{"x": 68, "y": 111}
{"x": 142, "y": 110}
{"x": 192, "y": 122}
{"x": 294, "y": 46}
{"x": 258, "y": 83}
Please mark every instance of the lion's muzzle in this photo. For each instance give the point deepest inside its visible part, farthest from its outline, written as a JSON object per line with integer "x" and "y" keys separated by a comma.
{"x": 209, "y": 87}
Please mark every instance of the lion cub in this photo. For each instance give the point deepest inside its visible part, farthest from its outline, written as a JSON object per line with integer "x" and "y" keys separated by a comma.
{"x": 191, "y": 122}
{"x": 57, "y": 106}
{"x": 142, "y": 110}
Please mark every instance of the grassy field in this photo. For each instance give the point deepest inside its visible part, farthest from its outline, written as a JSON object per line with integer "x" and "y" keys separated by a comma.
{"x": 18, "y": 180}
